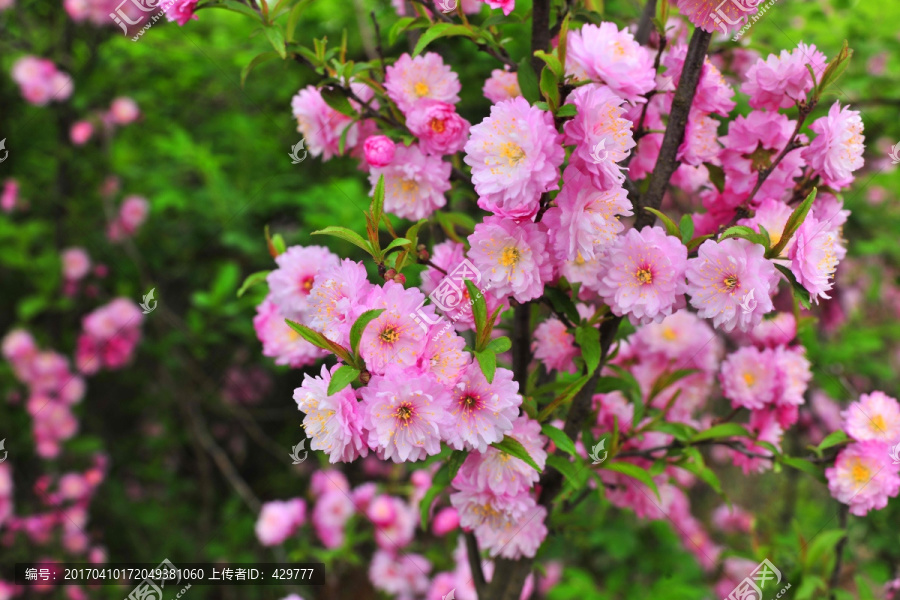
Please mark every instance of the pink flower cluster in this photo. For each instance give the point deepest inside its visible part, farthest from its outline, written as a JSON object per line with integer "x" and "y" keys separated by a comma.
{"x": 40, "y": 81}
{"x": 109, "y": 337}
{"x": 132, "y": 214}
{"x": 867, "y": 472}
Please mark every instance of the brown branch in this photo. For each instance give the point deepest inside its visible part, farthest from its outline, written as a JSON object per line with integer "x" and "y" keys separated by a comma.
{"x": 540, "y": 31}
{"x": 838, "y": 552}
{"x": 645, "y": 25}
{"x": 475, "y": 564}
{"x": 681, "y": 107}
{"x": 521, "y": 344}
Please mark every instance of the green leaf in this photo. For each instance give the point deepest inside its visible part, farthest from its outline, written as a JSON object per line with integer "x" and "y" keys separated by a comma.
{"x": 820, "y": 550}
{"x": 569, "y": 470}
{"x": 500, "y": 344}
{"x": 344, "y": 376}
{"x": 703, "y": 472}
{"x": 559, "y": 437}
{"x": 252, "y": 280}
{"x": 588, "y": 339}
{"x": 276, "y": 38}
{"x": 679, "y": 431}
{"x": 567, "y": 110}
{"x": 687, "y": 228}
{"x": 552, "y": 62}
{"x": 633, "y": 471}
{"x": 238, "y": 8}
{"x": 397, "y": 243}
{"x": 377, "y": 206}
{"x": 832, "y": 439}
{"x": 565, "y": 397}
{"x": 514, "y": 448}
{"x": 337, "y": 99}
{"x": 722, "y": 430}
{"x": 449, "y": 221}
{"x": 671, "y": 227}
{"x": 440, "y": 30}
{"x": 441, "y": 480}
{"x": 347, "y": 235}
{"x": 294, "y": 18}
{"x": 716, "y": 176}
{"x": 359, "y": 327}
{"x": 667, "y": 379}
{"x": 317, "y": 339}
{"x": 550, "y": 88}
{"x": 528, "y": 81}
{"x": 835, "y": 68}
{"x": 801, "y": 464}
{"x": 257, "y": 60}
{"x": 562, "y": 303}
{"x": 863, "y": 589}
{"x": 744, "y": 232}
{"x": 400, "y": 26}
{"x": 487, "y": 360}
{"x": 800, "y": 292}
{"x": 793, "y": 224}
{"x": 695, "y": 243}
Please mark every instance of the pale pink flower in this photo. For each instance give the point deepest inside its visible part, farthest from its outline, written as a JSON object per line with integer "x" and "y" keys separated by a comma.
{"x": 773, "y": 216}
{"x": 133, "y": 213}
{"x": 837, "y": 151}
{"x": 333, "y": 423}
{"x": 403, "y": 576}
{"x": 321, "y": 125}
{"x": 750, "y": 377}
{"x": 124, "y": 110}
{"x": 379, "y": 150}
{"x": 724, "y": 278}
{"x": 278, "y": 520}
{"x": 713, "y": 95}
{"x": 39, "y": 80}
{"x": 501, "y": 85}
{"x": 498, "y": 472}
{"x": 585, "y": 220}
{"x": 782, "y": 81}
{"x": 815, "y": 253}
{"x": 733, "y": 519}
{"x": 701, "y": 142}
{"x": 506, "y": 5}
{"x": 554, "y": 346}
{"x": 291, "y": 283}
{"x": 81, "y": 132}
{"x": 9, "y": 196}
{"x": 515, "y": 156}
{"x": 481, "y": 412}
{"x": 396, "y": 524}
{"x": 644, "y": 275}
{"x": 512, "y": 257}
{"x": 405, "y": 414}
{"x": 411, "y": 79}
{"x": 716, "y": 16}
{"x": 518, "y": 539}
{"x": 439, "y": 129}
{"x": 445, "y": 521}
{"x": 444, "y": 355}
{"x": 602, "y": 138}
{"x": 75, "y": 263}
{"x": 795, "y": 374}
{"x": 777, "y": 331}
{"x": 181, "y": 11}
{"x": 874, "y": 416}
{"x": 607, "y": 55}
{"x": 338, "y": 298}
{"x": 330, "y": 515}
{"x": 280, "y": 341}
{"x": 414, "y": 183}
{"x": 394, "y": 338}
{"x": 863, "y": 477}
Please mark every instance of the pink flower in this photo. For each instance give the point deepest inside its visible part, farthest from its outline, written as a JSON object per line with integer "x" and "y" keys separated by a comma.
{"x": 181, "y": 11}
{"x": 793, "y": 367}
{"x": 554, "y": 346}
{"x": 405, "y": 414}
{"x": 133, "y": 213}
{"x": 585, "y": 220}
{"x": 814, "y": 257}
{"x": 444, "y": 356}
{"x": 837, "y": 150}
{"x": 75, "y": 263}
{"x": 110, "y": 335}
{"x": 481, "y": 412}
{"x": 773, "y": 216}
{"x": 750, "y": 378}
{"x": 445, "y": 521}
{"x": 439, "y": 129}
{"x": 506, "y": 5}
{"x": 512, "y": 257}
{"x": 321, "y": 125}
{"x": 732, "y": 519}
{"x": 291, "y": 283}
{"x": 863, "y": 477}
{"x": 81, "y": 132}
{"x": 601, "y": 137}
{"x": 39, "y": 80}
{"x": 403, "y": 576}
{"x": 714, "y": 94}
{"x": 644, "y": 275}
{"x": 330, "y": 515}
{"x": 333, "y": 423}
{"x": 124, "y": 110}
{"x": 482, "y": 509}
{"x": 782, "y": 81}
{"x": 9, "y": 196}
{"x": 338, "y": 298}
{"x": 280, "y": 341}
{"x": 515, "y": 156}
{"x": 379, "y": 150}
{"x": 519, "y": 539}
{"x": 501, "y": 85}
{"x": 713, "y": 15}
{"x": 777, "y": 331}
{"x": 414, "y": 183}
{"x": 396, "y": 524}
{"x": 701, "y": 143}
{"x": 724, "y": 278}
{"x": 875, "y": 417}
{"x": 279, "y": 520}
{"x": 411, "y": 79}
{"x": 499, "y": 473}
{"x": 606, "y": 55}
{"x": 394, "y": 338}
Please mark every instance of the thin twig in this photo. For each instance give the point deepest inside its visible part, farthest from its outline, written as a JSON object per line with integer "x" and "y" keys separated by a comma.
{"x": 475, "y": 564}
{"x": 645, "y": 25}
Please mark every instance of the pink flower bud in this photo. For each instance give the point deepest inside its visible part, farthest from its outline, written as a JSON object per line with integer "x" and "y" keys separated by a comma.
{"x": 379, "y": 150}
{"x": 81, "y": 132}
{"x": 123, "y": 111}
{"x": 445, "y": 521}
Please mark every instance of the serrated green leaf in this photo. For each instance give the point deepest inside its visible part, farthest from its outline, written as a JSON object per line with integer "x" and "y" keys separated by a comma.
{"x": 377, "y": 206}
{"x": 722, "y": 430}
{"x": 337, "y": 99}
{"x": 559, "y": 437}
{"x": 317, "y": 339}
{"x": 799, "y": 291}
{"x": 346, "y": 235}
{"x": 552, "y": 62}
{"x": 568, "y": 469}
{"x": 588, "y": 339}
{"x": 487, "y": 360}
{"x": 833, "y": 439}
{"x": 252, "y": 280}
{"x": 801, "y": 464}
{"x": 356, "y": 331}
{"x": 679, "y": 431}
{"x": 440, "y": 30}
{"x": 550, "y": 88}
{"x": 793, "y": 224}
{"x": 567, "y": 110}
{"x": 500, "y": 345}
{"x": 513, "y": 447}
{"x": 276, "y": 38}
{"x": 344, "y": 376}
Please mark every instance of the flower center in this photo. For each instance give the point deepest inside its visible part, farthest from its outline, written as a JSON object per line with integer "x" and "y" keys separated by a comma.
{"x": 510, "y": 257}
{"x": 512, "y": 152}
{"x": 731, "y": 283}
{"x": 469, "y": 402}
{"x": 669, "y": 334}
{"x": 389, "y": 334}
{"x": 878, "y": 424}
{"x": 644, "y": 276}
{"x": 860, "y": 472}
{"x": 437, "y": 126}
{"x": 749, "y": 379}
{"x": 306, "y": 284}
{"x": 409, "y": 186}
{"x": 421, "y": 88}
{"x": 404, "y": 412}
